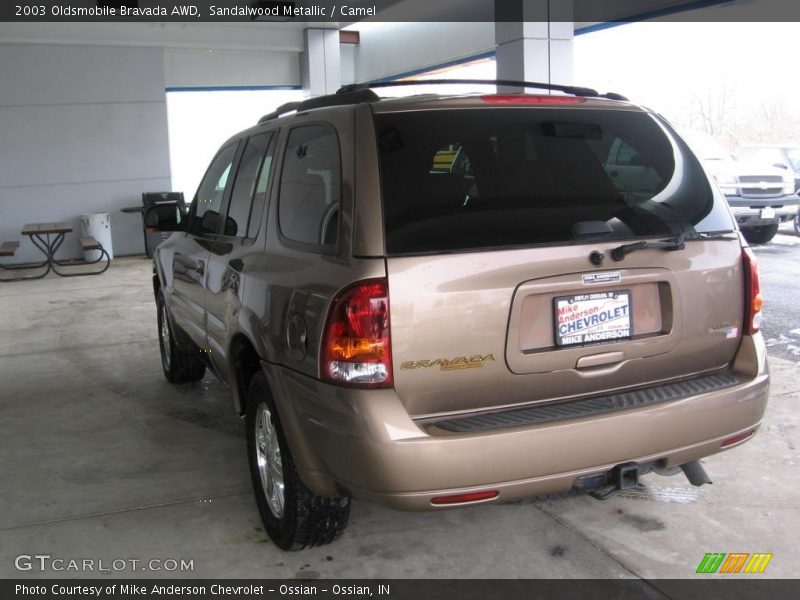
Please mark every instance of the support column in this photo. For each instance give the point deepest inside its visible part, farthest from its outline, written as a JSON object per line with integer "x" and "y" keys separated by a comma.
{"x": 534, "y": 41}
{"x": 320, "y": 64}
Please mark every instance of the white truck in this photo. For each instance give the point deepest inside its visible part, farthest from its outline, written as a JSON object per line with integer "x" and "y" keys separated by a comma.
{"x": 760, "y": 196}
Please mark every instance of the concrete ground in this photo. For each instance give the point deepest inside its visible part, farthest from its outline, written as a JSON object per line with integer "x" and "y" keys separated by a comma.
{"x": 102, "y": 459}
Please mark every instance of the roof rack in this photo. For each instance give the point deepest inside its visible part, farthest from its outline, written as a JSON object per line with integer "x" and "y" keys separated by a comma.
{"x": 281, "y": 110}
{"x": 338, "y": 99}
{"x": 356, "y": 93}
{"x": 568, "y": 89}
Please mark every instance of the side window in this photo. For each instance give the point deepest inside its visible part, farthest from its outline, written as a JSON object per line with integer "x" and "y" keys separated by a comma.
{"x": 250, "y": 186}
{"x": 794, "y": 158}
{"x": 444, "y": 158}
{"x": 452, "y": 158}
{"x": 308, "y": 207}
{"x": 449, "y": 181}
{"x": 621, "y": 154}
{"x": 630, "y": 173}
{"x": 208, "y": 200}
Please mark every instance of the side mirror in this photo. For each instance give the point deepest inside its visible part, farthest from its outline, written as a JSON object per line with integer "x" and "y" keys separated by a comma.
{"x": 230, "y": 226}
{"x": 210, "y": 223}
{"x": 167, "y": 216}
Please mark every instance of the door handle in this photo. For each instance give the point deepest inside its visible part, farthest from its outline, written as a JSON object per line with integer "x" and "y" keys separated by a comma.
{"x": 200, "y": 267}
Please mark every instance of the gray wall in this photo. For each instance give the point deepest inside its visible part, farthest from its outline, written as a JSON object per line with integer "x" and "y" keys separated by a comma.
{"x": 83, "y": 129}
{"x": 192, "y": 67}
{"x": 83, "y": 120}
{"x": 393, "y": 48}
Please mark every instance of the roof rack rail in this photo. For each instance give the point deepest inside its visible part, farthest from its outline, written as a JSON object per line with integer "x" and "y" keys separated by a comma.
{"x": 568, "y": 89}
{"x": 281, "y": 110}
{"x": 337, "y": 99}
{"x": 356, "y": 93}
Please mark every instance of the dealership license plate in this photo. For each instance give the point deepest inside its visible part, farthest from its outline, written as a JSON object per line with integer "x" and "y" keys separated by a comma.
{"x": 592, "y": 318}
{"x": 768, "y": 213}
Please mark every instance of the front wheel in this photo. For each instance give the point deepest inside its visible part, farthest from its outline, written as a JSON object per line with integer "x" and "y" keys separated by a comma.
{"x": 179, "y": 366}
{"x": 294, "y": 517}
{"x": 797, "y": 223}
{"x": 761, "y": 234}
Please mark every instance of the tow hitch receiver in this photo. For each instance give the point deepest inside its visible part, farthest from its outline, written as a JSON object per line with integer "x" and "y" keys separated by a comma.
{"x": 604, "y": 485}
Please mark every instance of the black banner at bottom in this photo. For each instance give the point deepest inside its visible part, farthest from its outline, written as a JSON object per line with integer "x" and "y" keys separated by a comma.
{"x": 400, "y": 589}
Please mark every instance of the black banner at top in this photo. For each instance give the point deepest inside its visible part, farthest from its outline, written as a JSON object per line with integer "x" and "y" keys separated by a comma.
{"x": 349, "y": 11}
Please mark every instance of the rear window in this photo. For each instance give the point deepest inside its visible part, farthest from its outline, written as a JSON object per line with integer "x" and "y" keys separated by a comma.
{"x": 464, "y": 179}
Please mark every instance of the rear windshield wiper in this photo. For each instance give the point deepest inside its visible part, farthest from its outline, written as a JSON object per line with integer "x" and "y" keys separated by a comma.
{"x": 676, "y": 243}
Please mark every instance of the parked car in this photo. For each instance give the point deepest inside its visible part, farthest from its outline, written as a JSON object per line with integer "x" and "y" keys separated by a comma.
{"x": 437, "y": 301}
{"x": 760, "y": 196}
{"x": 782, "y": 156}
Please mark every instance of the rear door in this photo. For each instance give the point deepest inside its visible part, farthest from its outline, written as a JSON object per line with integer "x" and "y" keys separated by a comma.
{"x": 502, "y": 286}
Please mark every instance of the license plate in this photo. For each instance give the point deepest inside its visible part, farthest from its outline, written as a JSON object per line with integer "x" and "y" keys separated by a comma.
{"x": 768, "y": 213}
{"x": 593, "y": 318}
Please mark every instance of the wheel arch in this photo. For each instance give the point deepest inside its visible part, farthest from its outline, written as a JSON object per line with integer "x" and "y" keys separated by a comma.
{"x": 156, "y": 281}
{"x": 245, "y": 362}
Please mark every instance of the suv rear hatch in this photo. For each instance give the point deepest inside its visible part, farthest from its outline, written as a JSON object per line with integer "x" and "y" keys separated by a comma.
{"x": 500, "y": 224}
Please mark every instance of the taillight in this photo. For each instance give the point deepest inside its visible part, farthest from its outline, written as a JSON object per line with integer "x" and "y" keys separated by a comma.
{"x": 531, "y": 99}
{"x": 752, "y": 293}
{"x": 356, "y": 345}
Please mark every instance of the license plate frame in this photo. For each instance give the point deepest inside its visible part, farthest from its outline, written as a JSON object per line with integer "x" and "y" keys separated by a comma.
{"x": 767, "y": 213}
{"x": 592, "y": 318}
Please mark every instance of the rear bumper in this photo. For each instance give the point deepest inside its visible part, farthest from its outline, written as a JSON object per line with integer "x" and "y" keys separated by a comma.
{"x": 363, "y": 443}
{"x": 748, "y": 211}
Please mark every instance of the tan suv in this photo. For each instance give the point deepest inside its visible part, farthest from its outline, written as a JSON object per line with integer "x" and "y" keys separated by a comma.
{"x": 437, "y": 301}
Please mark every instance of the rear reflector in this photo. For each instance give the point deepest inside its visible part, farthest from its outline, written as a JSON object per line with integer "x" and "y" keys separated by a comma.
{"x": 462, "y": 498}
{"x": 740, "y": 437}
{"x": 531, "y": 99}
{"x": 753, "y": 301}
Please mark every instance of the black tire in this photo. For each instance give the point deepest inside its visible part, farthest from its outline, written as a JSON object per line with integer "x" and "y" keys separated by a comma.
{"x": 761, "y": 234}
{"x": 179, "y": 366}
{"x": 797, "y": 224}
{"x": 302, "y": 519}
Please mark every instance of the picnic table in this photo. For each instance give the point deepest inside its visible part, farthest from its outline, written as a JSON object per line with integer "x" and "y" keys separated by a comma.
{"x": 48, "y": 237}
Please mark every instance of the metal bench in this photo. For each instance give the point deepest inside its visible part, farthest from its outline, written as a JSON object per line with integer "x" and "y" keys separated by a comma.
{"x": 87, "y": 243}
{"x": 9, "y": 248}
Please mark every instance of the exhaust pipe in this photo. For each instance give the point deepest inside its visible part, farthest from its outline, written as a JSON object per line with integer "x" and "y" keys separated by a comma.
{"x": 695, "y": 473}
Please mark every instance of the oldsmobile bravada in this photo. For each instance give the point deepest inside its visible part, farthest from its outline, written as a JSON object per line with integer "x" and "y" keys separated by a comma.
{"x": 440, "y": 301}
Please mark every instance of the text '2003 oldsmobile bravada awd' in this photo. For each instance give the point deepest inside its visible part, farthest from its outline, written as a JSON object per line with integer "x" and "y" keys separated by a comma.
{"x": 439, "y": 301}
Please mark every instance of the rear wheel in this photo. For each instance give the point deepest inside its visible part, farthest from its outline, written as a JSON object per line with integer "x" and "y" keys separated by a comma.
{"x": 179, "y": 366}
{"x": 761, "y": 234}
{"x": 294, "y": 517}
{"x": 797, "y": 223}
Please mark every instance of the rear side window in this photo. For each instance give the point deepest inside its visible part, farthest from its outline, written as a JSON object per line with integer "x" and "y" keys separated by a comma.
{"x": 308, "y": 207}
{"x": 478, "y": 178}
{"x": 249, "y": 189}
